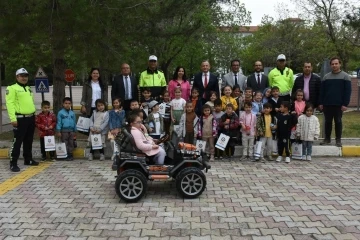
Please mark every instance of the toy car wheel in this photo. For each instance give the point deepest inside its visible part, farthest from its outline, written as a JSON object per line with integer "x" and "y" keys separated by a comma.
{"x": 131, "y": 185}
{"x": 190, "y": 182}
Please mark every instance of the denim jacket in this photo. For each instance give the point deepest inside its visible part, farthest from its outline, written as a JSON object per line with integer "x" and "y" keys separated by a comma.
{"x": 116, "y": 119}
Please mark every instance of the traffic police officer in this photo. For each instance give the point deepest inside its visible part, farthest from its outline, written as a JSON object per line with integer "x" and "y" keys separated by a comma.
{"x": 21, "y": 110}
{"x": 153, "y": 78}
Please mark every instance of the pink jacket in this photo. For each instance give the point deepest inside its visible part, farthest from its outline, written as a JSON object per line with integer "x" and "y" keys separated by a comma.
{"x": 185, "y": 89}
{"x": 143, "y": 143}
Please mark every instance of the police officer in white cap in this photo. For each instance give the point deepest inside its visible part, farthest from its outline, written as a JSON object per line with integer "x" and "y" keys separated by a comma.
{"x": 21, "y": 110}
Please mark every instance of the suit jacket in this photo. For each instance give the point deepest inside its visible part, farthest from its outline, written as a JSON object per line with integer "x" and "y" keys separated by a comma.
{"x": 118, "y": 88}
{"x": 252, "y": 82}
{"x": 314, "y": 88}
{"x": 213, "y": 85}
{"x": 228, "y": 79}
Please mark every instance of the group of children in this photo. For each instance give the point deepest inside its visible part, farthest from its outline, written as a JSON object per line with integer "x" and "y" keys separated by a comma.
{"x": 254, "y": 117}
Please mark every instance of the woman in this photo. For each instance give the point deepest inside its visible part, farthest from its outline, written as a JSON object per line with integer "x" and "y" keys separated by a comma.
{"x": 179, "y": 80}
{"x": 93, "y": 89}
{"x": 145, "y": 143}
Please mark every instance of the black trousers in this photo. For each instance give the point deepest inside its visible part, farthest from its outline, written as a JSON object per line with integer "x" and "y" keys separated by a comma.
{"x": 230, "y": 147}
{"x": 23, "y": 134}
{"x": 284, "y": 143}
{"x": 189, "y": 138}
{"x": 42, "y": 148}
{"x": 333, "y": 113}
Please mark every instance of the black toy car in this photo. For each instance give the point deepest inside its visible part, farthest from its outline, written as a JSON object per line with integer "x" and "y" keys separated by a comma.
{"x": 134, "y": 169}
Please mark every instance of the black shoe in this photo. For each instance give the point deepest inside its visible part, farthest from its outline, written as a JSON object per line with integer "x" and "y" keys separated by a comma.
{"x": 338, "y": 143}
{"x": 14, "y": 168}
{"x": 31, "y": 163}
{"x": 43, "y": 158}
{"x": 325, "y": 142}
{"x": 70, "y": 158}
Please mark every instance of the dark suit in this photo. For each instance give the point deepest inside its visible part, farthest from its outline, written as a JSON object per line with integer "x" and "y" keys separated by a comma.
{"x": 314, "y": 88}
{"x": 252, "y": 82}
{"x": 213, "y": 85}
{"x": 118, "y": 90}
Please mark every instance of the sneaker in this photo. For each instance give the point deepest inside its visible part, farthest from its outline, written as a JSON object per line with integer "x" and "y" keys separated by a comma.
{"x": 43, "y": 158}
{"x": 308, "y": 158}
{"x": 70, "y": 158}
{"x": 325, "y": 142}
{"x": 243, "y": 158}
{"x": 255, "y": 159}
{"x": 212, "y": 158}
{"x": 338, "y": 143}
{"x": 270, "y": 158}
{"x": 221, "y": 157}
{"x": 14, "y": 168}
{"x": 303, "y": 158}
{"x": 279, "y": 159}
{"x": 102, "y": 157}
{"x": 262, "y": 160}
{"x": 31, "y": 163}
{"x": 90, "y": 157}
{"x": 287, "y": 159}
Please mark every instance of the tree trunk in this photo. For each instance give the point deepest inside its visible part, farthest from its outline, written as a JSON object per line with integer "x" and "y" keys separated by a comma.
{"x": 59, "y": 82}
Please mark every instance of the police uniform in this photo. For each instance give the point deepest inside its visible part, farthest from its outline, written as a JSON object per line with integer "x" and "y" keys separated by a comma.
{"x": 154, "y": 80}
{"x": 21, "y": 109}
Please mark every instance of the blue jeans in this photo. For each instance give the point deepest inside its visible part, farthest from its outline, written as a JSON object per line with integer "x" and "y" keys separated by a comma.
{"x": 307, "y": 148}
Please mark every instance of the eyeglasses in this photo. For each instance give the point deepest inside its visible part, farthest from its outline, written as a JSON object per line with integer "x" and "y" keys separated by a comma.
{"x": 139, "y": 122}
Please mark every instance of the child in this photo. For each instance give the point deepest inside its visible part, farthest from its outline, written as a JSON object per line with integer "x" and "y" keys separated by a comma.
{"x": 154, "y": 122}
{"x": 188, "y": 124}
{"x": 177, "y": 107}
{"x": 99, "y": 125}
{"x": 237, "y": 94}
{"x": 229, "y": 123}
{"x": 167, "y": 115}
{"x": 46, "y": 123}
{"x": 116, "y": 119}
{"x": 66, "y": 127}
{"x": 207, "y": 130}
{"x": 298, "y": 107}
{"x": 257, "y": 105}
{"x": 308, "y": 130}
{"x": 196, "y": 102}
{"x": 248, "y": 95}
{"x": 147, "y": 99}
{"x": 265, "y": 129}
{"x": 285, "y": 122}
{"x": 275, "y": 100}
{"x": 227, "y": 98}
{"x": 134, "y": 104}
{"x": 266, "y": 95}
{"x": 213, "y": 97}
{"x": 218, "y": 113}
{"x": 248, "y": 124}
{"x": 140, "y": 113}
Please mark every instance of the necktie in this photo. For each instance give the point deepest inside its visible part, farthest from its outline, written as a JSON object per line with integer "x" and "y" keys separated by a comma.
{"x": 127, "y": 95}
{"x": 235, "y": 74}
{"x": 205, "y": 84}
{"x": 258, "y": 80}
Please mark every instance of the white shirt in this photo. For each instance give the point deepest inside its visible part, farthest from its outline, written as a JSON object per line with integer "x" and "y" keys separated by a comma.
{"x": 96, "y": 93}
{"x": 128, "y": 92}
{"x": 203, "y": 78}
{"x": 157, "y": 123}
{"x": 256, "y": 77}
{"x": 178, "y": 104}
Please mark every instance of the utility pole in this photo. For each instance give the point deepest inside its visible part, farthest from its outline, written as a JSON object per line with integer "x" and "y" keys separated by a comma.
{"x": 2, "y": 77}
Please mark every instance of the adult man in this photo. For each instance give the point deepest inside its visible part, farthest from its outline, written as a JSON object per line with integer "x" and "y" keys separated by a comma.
{"x": 124, "y": 86}
{"x": 282, "y": 77}
{"x": 335, "y": 92}
{"x": 21, "y": 110}
{"x": 235, "y": 77}
{"x": 258, "y": 81}
{"x": 205, "y": 82}
{"x": 153, "y": 78}
{"x": 309, "y": 83}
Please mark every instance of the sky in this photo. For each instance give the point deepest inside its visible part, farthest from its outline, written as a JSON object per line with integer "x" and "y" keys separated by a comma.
{"x": 259, "y": 8}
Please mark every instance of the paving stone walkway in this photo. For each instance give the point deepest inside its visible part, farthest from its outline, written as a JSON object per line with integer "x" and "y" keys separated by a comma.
{"x": 77, "y": 200}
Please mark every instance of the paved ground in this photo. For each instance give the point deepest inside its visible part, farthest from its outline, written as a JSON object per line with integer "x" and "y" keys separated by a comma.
{"x": 317, "y": 200}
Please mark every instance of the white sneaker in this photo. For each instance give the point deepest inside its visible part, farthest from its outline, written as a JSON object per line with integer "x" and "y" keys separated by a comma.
{"x": 102, "y": 157}
{"x": 308, "y": 158}
{"x": 303, "y": 158}
{"x": 90, "y": 157}
{"x": 212, "y": 158}
{"x": 279, "y": 159}
{"x": 287, "y": 159}
{"x": 243, "y": 158}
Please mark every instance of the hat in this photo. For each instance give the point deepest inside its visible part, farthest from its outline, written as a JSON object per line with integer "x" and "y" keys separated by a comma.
{"x": 21, "y": 71}
{"x": 152, "y": 58}
{"x": 153, "y": 103}
{"x": 281, "y": 57}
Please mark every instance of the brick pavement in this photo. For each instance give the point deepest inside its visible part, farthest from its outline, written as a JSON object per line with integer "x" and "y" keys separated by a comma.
{"x": 317, "y": 200}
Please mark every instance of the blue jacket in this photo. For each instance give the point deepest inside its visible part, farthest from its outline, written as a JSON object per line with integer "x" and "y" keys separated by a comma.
{"x": 256, "y": 108}
{"x": 335, "y": 89}
{"x": 116, "y": 119}
{"x": 66, "y": 121}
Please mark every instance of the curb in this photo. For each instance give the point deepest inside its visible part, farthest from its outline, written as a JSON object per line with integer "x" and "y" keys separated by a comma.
{"x": 318, "y": 151}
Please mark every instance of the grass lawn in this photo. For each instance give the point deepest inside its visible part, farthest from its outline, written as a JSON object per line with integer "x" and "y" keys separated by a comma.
{"x": 351, "y": 125}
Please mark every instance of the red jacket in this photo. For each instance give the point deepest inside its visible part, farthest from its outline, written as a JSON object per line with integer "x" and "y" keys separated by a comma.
{"x": 44, "y": 121}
